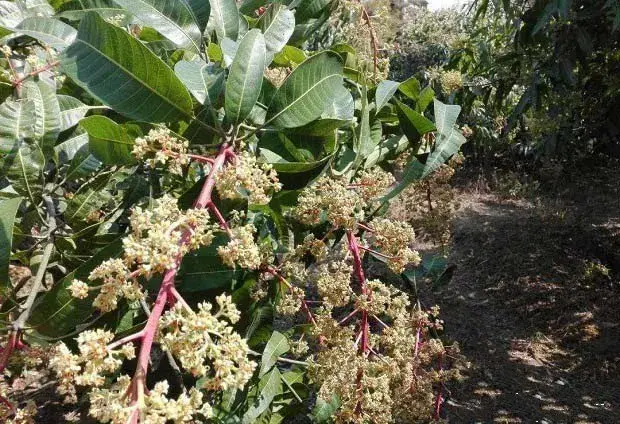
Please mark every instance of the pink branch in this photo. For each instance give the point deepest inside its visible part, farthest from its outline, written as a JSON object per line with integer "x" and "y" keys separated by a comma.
{"x": 167, "y": 291}
{"x": 127, "y": 339}
{"x": 439, "y": 399}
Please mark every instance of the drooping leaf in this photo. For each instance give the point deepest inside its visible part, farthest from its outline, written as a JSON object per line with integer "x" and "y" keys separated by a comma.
{"x": 307, "y": 91}
{"x": 17, "y": 123}
{"x": 246, "y": 77}
{"x": 23, "y": 167}
{"x": 122, "y": 73}
{"x": 323, "y": 410}
{"x": 87, "y": 199}
{"x": 204, "y": 81}
{"x": 229, "y": 51}
{"x": 410, "y": 88}
{"x": 225, "y": 19}
{"x": 174, "y": 19}
{"x": 385, "y": 91}
{"x": 277, "y": 25}
{"x": 71, "y": 111}
{"x": 276, "y": 346}
{"x": 76, "y": 9}
{"x": 51, "y": 31}
{"x": 424, "y": 99}
{"x": 82, "y": 165}
{"x": 110, "y": 142}
{"x": 364, "y": 144}
{"x": 201, "y": 9}
{"x": 58, "y": 312}
{"x": 449, "y": 138}
{"x": 46, "y": 113}
{"x": 307, "y": 9}
{"x": 269, "y": 386}
{"x": 67, "y": 150}
{"x": 413, "y": 124}
{"x": 8, "y": 211}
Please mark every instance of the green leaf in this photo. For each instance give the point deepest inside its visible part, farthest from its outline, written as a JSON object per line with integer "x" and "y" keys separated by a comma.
{"x": 122, "y": 73}
{"x": 8, "y": 211}
{"x": 387, "y": 149}
{"x": 307, "y": 91}
{"x": 83, "y": 164}
{"x": 269, "y": 386}
{"x": 76, "y": 9}
{"x": 51, "y": 31}
{"x": 276, "y": 346}
{"x": 225, "y": 19}
{"x": 174, "y": 19}
{"x": 204, "y": 81}
{"x": 413, "y": 124}
{"x": 424, "y": 99}
{"x": 323, "y": 411}
{"x": 307, "y": 9}
{"x": 110, "y": 142}
{"x": 58, "y": 312}
{"x": 67, "y": 150}
{"x": 385, "y": 91}
{"x": 23, "y": 167}
{"x": 364, "y": 144}
{"x": 10, "y": 14}
{"x": 201, "y": 10}
{"x": 71, "y": 111}
{"x": 17, "y": 122}
{"x": 449, "y": 138}
{"x": 277, "y": 25}
{"x": 290, "y": 56}
{"x": 246, "y": 77}
{"x": 46, "y": 112}
{"x": 410, "y": 88}
{"x": 89, "y": 198}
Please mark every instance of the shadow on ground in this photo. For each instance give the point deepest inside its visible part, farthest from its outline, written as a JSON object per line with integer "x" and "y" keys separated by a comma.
{"x": 541, "y": 335}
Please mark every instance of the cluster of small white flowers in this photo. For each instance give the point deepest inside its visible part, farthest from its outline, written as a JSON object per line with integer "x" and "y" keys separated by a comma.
{"x": 331, "y": 200}
{"x": 393, "y": 239}
{"x": 114, "y": 406}
{"x": 155, "y": 240}
{"x": 241, "y": 249}
{"x": 24, "y": 415}
{"x": 451, "y": 81}
{"x": 6, "y": 50}
{"x": 153, "y": 246}
{"x": 113, "y": 273}
{"x": 334, "y": 282}
{"x": 247, "y": 178}
{"x": 206, "y": 345}
{"x": 116, "y": 20}
{"x": 160, "y": 147}
{"x": 373, "y": 182}
{"x": 90, "y": 366}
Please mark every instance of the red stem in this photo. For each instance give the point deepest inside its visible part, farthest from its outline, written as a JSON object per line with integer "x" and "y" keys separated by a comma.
{"x": 166, "y": 293}
{"x": 11, "y": 344}
{"x": 47, "y": 67}
{"x": 439, "y": 398}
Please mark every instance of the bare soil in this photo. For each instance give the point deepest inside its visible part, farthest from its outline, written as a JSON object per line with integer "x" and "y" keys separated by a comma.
{"x": 541, "y": 336}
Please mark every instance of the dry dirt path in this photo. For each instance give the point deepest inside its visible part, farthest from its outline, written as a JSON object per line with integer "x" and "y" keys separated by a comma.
{"x": 542, "y": 336}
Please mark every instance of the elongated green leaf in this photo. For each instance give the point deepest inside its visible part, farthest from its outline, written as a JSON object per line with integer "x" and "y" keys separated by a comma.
{"x": 201, "y": 9}
{"x": 58, "y": 312}
{"x": 385, "y": 91}
{"x": 204, "y": 81}
{"x": 8, "y": 211}
{"x": 174, "y": 19}
{"x": 246, "y": 77}
{"x": 122, "y": 73}
{"x": 110, "y": 142}
{"x": 76, "y": 9}
{"x": 388, "y": 149}
{"x": 307, "y": 9}
{"x": 364, "y": 144}
{"x": 323, "y": 410}
{"x": 17, "y": 122}
{"x": 46, "y": 112}
{"x": 67, "y": 150}
{"x": 225, "y": 19}
{"x": 277, "y": 24}
{"x": 229, "y": 51}
{"x": 82, "y": 165}
{"x": 23, "y": 167}
{"x": 413, "y": 124}
{"x": 424, "y": 99}
{"x": 72, "y": 110}
{"x": 51, "y": 31}
{"x": 410, "y": 88}
{"x": 10, "y": 14}
{"x": 270, "y": 385}
{"x": 276, "y": 346}
{"x": 307, "y": 91}
{"x": 449, "y": 138}
{"x": 89, "y": 198}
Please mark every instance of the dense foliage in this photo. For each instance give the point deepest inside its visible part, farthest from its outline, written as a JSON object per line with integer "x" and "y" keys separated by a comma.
{"x": 188, "y": 205}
